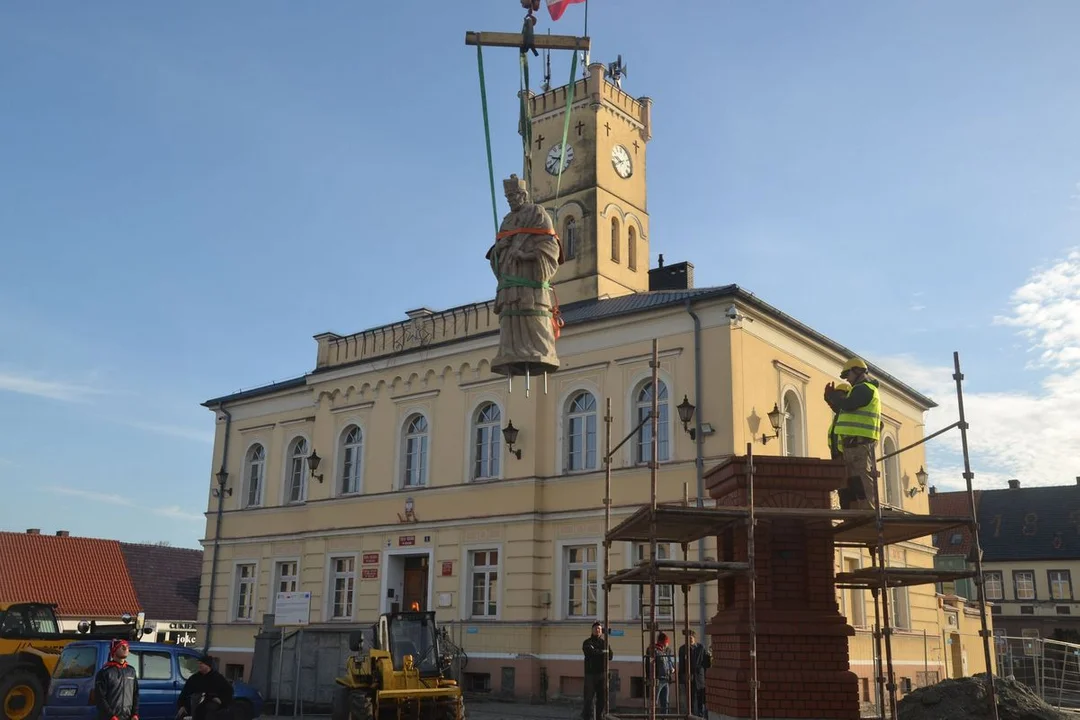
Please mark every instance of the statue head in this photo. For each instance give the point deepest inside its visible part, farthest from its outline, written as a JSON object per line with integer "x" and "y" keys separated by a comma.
{"x": 516, "y": 193}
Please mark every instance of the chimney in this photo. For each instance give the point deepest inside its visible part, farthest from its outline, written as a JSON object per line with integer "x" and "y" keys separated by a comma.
{"x": 63, "y": 533}
{"x": 933, "y": 490}
{"x": 660, "y": 264}
{"x": 679, "y": 276}
{"x": 1014, "y": 484}
{"x": 33, "y": 531}
{"x": 1078, "y": 479}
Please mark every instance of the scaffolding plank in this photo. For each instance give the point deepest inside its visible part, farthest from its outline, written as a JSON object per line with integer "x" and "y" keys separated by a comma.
{"x": 870, "y": 578}
{"x": 898, "y": 527}
{"x": 643, "y": 574}
{"x": 677, "y": 523}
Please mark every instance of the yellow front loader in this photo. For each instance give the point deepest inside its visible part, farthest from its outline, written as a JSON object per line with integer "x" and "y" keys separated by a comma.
{"x": 400, "y": 676}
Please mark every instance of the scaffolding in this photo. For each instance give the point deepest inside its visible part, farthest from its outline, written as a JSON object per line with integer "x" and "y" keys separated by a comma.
{"x": 680, "y": 524}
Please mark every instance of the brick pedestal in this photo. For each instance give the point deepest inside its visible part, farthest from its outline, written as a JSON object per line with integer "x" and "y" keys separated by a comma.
{"x": 802, "y": 639}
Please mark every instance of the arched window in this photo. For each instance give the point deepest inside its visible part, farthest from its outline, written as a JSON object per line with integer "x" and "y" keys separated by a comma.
{"x": 581, "y": 432}
{"x": 643, "y": 406}
{"x": 570, "y": 239}
{"x": 631, "y": 248}
{"x": 352, "y": 450}
{"x": 254, "y": 472}
{"x": 298, "y": 452}
{"x": 615, "y": 239}
{"x": 487, "y": 441}
{"x": 893, "y": 494}
{"x": 793, "y": 425}
{"x": 415, "y": 450}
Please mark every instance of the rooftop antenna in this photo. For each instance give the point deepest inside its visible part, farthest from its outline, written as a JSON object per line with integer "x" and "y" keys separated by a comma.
{"x": 546, "y": 85}
{"x": 616, "y": 71}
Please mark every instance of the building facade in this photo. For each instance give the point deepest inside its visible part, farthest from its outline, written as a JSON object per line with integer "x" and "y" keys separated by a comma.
{"x": 418, "y": 499}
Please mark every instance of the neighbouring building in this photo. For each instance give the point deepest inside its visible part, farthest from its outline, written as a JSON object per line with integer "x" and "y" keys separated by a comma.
{"x": 418, "y": 499}
{"x": 1030, "y": 540}
{"x": 100, "y": 581}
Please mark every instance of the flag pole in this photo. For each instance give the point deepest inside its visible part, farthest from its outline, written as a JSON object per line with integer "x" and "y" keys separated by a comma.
{"x": 585, "y": 64}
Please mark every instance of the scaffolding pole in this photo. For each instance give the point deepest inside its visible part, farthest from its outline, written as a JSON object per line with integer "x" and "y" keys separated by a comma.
{"x": 654, "y": 363}
{"x": 607, "y": 552}
{"x": 883, "y": 569}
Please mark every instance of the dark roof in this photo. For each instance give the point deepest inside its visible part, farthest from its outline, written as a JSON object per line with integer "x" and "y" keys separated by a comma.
{"x": 1036, "y": 523}
{"x": 953, "y": 504}
{"x": 166, "y": 579}
{"x": 83, "y": 577}
{"x": 587, "y": 311}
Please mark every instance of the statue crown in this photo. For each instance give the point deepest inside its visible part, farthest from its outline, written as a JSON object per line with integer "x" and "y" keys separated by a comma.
{"x": 514, "y": 184}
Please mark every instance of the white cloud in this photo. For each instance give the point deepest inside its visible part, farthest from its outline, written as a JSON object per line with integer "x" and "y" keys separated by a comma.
{"x": 52, "y": 389}
{"x": 177, "y": 431}
{"x": 1034, "y": 436}
{"x": 171, "y": 511}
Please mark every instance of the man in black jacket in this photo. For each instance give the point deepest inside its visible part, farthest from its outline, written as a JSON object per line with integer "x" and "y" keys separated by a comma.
{"x": 116, "y": 686}
{"x": 216, "y": 691}
{"x": 594, "y": 648}
{"x": 698, "y": 661}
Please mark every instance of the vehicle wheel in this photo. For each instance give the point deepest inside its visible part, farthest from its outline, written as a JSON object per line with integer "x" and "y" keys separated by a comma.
{"x": 360, "y": 706}
{"x": 339, "y": 710}
{"x": 22, "y": 695}
{"x": 241, "y": 710}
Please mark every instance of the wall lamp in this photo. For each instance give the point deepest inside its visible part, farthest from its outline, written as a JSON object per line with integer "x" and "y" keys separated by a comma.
{"x": 776, "y": 419}
{"x": 222, "y": 478}
{"x": 686, "y": 415}
{"x": 313, "y": 461}
{"x": 510, "y": 434}
{"x": 921, "y": 477}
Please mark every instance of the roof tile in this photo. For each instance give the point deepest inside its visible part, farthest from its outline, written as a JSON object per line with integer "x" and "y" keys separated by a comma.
{"x": 166, "y": 579}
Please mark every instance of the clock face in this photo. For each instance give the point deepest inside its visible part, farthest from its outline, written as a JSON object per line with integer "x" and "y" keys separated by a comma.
{"x": 620, "y": 159}
{"x": 552, "y": 162}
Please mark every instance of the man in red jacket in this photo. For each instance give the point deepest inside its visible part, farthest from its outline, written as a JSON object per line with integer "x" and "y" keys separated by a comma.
{"x": 116, "y": 686}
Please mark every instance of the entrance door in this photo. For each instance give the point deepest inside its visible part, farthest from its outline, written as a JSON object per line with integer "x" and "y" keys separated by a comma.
{"x": 416, "y": 583}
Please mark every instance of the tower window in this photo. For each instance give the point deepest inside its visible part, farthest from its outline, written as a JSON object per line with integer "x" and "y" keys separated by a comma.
{"x": 631, "y": 248}
{"x": 570, "y": 239}
{"x": 615, "y": 239}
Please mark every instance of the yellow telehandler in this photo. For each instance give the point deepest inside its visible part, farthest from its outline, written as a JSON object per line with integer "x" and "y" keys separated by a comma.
{"x": 400, "y": 676}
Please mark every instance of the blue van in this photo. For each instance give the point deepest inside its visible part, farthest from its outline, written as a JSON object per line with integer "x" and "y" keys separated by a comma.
{"x": 162, "y": 670}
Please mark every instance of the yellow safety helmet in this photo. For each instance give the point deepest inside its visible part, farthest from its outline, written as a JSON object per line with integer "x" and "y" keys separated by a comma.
{"x": 852, "y": 364}
{"x": 842, "y": 387}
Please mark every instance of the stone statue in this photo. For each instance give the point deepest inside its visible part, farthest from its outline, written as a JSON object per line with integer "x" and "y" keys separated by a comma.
{"x": 524, "y": 258}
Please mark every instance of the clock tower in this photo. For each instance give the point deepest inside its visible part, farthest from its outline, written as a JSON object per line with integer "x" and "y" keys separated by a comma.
{"x": 600, "y": 212}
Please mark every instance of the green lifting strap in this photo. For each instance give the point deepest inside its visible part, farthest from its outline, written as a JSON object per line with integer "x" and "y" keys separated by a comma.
{"x": 509, "y": 281}
{"x": 487, "y": 133}
{"x": 565, "y": 128}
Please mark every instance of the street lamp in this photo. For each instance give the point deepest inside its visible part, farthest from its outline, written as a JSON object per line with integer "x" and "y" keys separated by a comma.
{"x": 313, "y": 461}
{"x": 222, "y": 478}
{"x": 686, "y": 414}
{"x": 921, "y": 477}
{"x": 776, "y": 419}
{"x": 510, "y": 435}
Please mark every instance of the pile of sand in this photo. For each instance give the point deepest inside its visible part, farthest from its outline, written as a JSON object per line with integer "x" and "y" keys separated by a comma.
{"x": 965, "y": 699}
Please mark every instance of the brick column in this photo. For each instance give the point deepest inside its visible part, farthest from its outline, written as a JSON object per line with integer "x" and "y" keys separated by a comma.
{"x": 802, "y": 639}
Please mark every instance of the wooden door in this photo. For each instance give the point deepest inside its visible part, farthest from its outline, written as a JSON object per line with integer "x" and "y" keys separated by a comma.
{"x": 415, "y": 588}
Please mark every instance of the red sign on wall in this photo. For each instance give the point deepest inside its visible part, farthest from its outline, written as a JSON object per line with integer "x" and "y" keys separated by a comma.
{"x": 447, "y": 567}
{"x": 406, "y": 540}
{"x": 369, "y": 573}
{"x": 371, "y": 558}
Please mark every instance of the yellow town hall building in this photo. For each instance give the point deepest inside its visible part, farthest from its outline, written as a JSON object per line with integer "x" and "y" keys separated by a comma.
{"x": 419, "y": 499}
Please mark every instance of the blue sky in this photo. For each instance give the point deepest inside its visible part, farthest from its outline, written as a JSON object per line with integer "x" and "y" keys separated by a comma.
{"x": 189, "y": 193}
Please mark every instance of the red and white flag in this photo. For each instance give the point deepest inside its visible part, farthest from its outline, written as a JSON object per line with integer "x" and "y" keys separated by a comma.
{"x": 558, "y": 7}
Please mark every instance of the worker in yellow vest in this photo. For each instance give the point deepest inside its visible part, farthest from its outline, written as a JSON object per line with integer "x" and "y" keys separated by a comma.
{"x": 838, "y": 393}
{"x": 858, "y": 427}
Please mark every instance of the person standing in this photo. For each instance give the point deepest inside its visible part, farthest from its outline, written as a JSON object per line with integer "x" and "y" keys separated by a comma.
{"x": 216, "y": 691}
{"x": 595, "y": 648}
{"x": 116, "y": 686}
{"x": 835, "y": 393}
{"x": 664, "y": 668}
{"x": 858, "y": 426}
{"x": 694, "y": 660}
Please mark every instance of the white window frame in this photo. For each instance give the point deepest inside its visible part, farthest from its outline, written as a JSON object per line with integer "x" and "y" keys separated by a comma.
{"x": 238, "y": 580}
{"x": 997, "y": 576}
{"x": 852, "y": 598}
{"x": 890, "y": 473}
{"x": 562, "y": 594}
{"x": 249, "y": 463}
{"x": 289, "y": 475}
{"x": 280, "y": 578}
{"x": 495, "y": 441}
{"x": 900, "y": 608}
{"x": 638, "y": 410}
{"x": 793, "y": 430}
{"x": 403, "y": 450}
{"x": 472, "y": 569}
{"x": 1064, "y": 579}
{"x": 667, "y": 551}
{"x": 332, "y": 576}
{"x": 1016, "y": 585}
{"x": 357, "y": 464}
{"x": 567, "y": 418}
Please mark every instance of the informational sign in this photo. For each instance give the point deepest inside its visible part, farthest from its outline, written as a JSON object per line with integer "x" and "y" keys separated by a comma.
{"x": 187, "y": 639}
{"x": 369, "y": 573}
{"x": 472, "y": 631}
{"x": 447, "y": 568}
{"x": 371, "y": 558}
{"x": 404, "y": 540}
{"x": 292, "y": 608}
{"x": 618, "y": 633}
